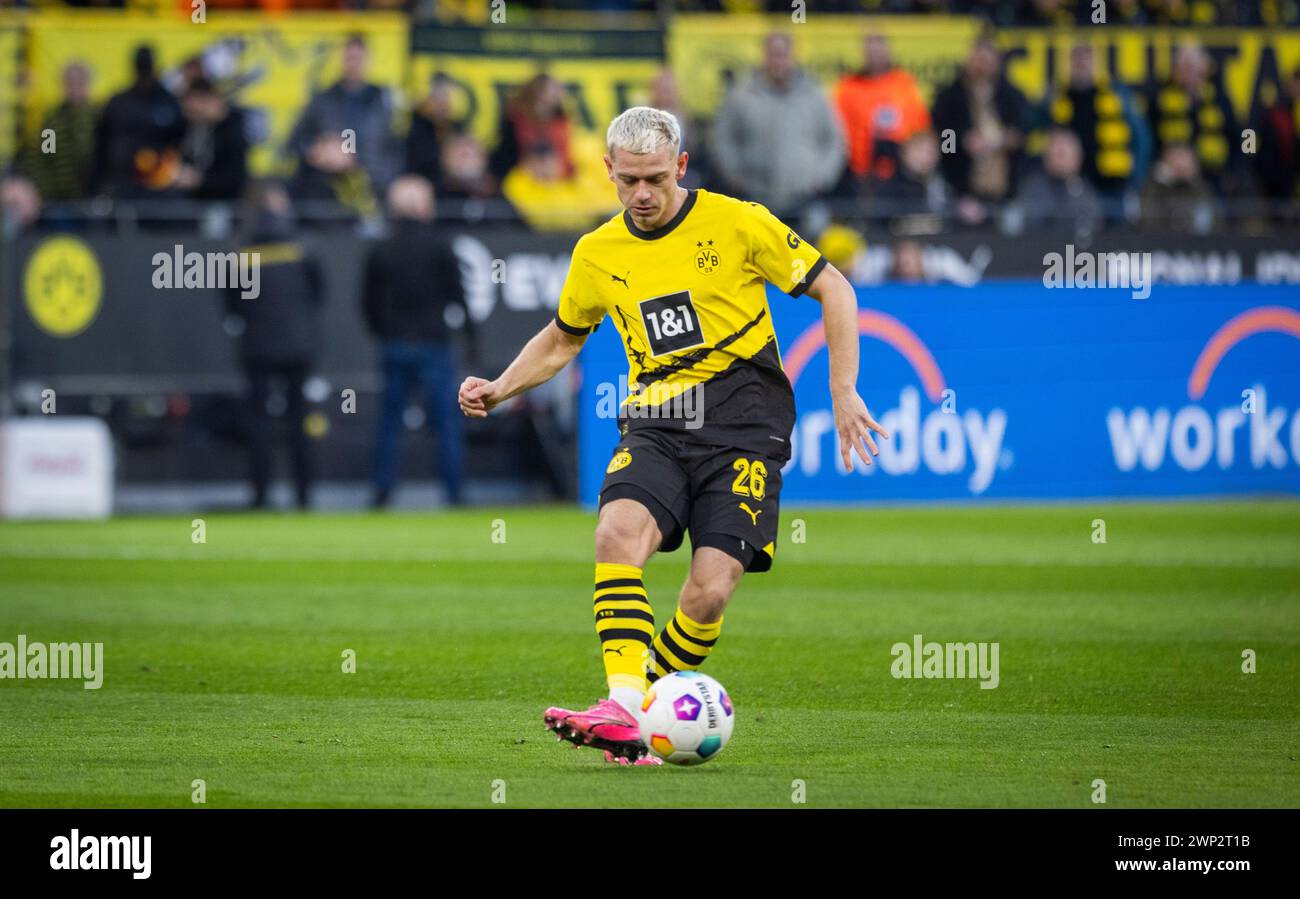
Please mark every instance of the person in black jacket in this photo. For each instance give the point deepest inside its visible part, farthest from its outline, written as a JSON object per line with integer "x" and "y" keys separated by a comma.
{"x": 215, "y": 148}
{"x": 984, "y": 117}
{"x": 432, "y": 125}
{"x": 915, "y": 199}
{"x": 1277, "y": 162}
{"x": 137, "y": 137}
{"x": 413, "y": 299}
{"x": 279, "y": 335}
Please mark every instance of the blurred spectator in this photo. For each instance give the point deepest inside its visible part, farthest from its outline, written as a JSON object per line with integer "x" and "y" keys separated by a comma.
{"x": 908, "y": 264}
{"x": 179, "y": 79}
{"x": 547, "y": 200}
{"x": 413, "y": 298}
{"x": 776, "y": 140}
{"x": 279, "y": 336}
{"x": 915, "y": 198}
{"x": 215, "y": 148}
{"x": 464, "y": 170}
{"x": 1059, "y": 197}
{"x": 664, "y": 94}
{"x": 432, "y": 125}
{"x": 1115, "y": 140}
{"x": 1192, "y": 109}
{"x": 20, "y": 202}
{"x": 137, "y": 138}
{"x": 1177, "y": 198}
{"x": 329, "y": 173}
{"x": 60, "y": 173}
{"x": 880, "y": 108}
{"x": 351, "y": 119}
{"x": 986, "y": 116}
{"x": 440, "y": 149}
{"x": 1277, "y": 156}
{"x": 534, "y": 118}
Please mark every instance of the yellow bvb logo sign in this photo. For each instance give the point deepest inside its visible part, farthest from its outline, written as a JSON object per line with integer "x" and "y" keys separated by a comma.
{"x": 63, "y": 286}
{"x": 622, "y": 459}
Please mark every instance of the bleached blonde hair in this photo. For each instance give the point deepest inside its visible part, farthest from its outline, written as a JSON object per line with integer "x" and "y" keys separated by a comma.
{"x": 644, "y": 129}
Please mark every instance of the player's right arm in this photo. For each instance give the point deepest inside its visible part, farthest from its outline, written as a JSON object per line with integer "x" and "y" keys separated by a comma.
{"x": 552, "y": 348}
{"x": 541, "y": 359}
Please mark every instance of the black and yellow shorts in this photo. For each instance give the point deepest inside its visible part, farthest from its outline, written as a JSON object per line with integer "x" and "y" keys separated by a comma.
{"x": 728, "y": 498}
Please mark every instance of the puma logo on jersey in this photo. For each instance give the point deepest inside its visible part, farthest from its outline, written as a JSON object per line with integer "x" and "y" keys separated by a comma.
{"x": 614, "y": 277}
{"x": 744, "y": 507}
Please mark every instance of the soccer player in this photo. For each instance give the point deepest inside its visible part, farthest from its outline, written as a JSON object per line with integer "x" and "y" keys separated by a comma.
{"x": 706, "y": 425}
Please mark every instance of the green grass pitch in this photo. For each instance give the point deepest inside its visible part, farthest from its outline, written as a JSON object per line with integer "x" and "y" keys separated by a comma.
{"x": 1120, "y": 661}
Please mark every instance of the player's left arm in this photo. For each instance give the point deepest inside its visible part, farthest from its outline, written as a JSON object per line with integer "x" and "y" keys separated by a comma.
{"x": 794, "y": 266}
{"x": 840, "y": 318}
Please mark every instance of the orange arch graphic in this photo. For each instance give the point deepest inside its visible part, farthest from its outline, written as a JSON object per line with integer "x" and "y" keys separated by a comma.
{"x": 882, "y": 327}
{"x": 1234, "y": 331}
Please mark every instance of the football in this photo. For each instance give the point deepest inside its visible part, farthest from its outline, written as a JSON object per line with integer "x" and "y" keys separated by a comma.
{"x": 688, "y": 718}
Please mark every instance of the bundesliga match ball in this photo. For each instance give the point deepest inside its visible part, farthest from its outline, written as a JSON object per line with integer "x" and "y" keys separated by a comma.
{"x": 687, "y": 718}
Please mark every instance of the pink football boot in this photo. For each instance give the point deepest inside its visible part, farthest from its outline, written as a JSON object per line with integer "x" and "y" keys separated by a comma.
{"x": 606, "y": 725}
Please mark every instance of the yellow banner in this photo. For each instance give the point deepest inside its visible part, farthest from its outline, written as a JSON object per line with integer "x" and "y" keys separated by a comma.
{"x": 278, "y": 62}
{"x": 604, "y": 71}
{"x": 597, "y": 90}
{"x": 1252, "y": 60}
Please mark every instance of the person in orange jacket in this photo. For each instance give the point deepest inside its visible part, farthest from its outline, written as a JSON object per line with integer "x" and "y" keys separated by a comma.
{"x": 880, "y": 108}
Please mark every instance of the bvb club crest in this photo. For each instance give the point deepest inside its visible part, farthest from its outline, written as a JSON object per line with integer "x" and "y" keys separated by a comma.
{"x": 63, "y": 286}
{"x": 707, "y": 259}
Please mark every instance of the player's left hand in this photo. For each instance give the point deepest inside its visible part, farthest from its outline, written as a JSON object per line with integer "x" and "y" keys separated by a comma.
{"x": 477, "y": 397}
{"x": 854, "y": 424}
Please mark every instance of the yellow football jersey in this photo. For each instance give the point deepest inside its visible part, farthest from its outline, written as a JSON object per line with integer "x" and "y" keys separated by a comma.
{"x": 689, "y": 301}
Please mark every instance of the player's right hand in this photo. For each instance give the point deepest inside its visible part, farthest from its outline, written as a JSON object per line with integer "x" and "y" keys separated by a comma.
{"x": 477, "y": 397}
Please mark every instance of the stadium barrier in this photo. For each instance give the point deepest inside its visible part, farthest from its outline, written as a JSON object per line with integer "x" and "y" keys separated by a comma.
{"x": 162, "y": 366}
{"x": 131, "y": 340}
{"x": 119, "y": 332}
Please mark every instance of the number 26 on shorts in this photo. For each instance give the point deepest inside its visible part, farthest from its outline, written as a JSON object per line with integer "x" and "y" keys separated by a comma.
{"x": 751, "y": 479}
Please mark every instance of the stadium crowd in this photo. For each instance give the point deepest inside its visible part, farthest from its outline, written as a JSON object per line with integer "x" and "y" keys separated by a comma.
{"x": 1091, "y": 153}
